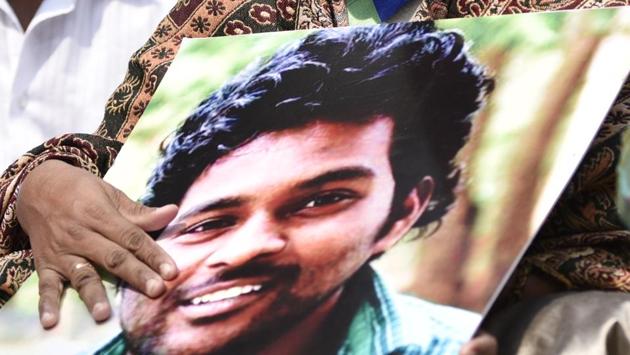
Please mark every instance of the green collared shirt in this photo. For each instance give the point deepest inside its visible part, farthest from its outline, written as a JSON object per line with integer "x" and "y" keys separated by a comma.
{"x": 370, "y": 319}
{"x": 389, "y": 323}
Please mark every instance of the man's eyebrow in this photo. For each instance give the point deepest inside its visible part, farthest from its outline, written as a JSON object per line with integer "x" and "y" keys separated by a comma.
{"x": 349, "y": 173}
{"x": 227, "y": 202}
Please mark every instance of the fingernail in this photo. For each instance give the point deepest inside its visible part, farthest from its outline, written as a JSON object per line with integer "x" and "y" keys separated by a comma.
{"x": 167, "y": 271}
{"x": 100, "y": 311}
{"x": 48, "y": 319}
{"x": 153, "y": 287}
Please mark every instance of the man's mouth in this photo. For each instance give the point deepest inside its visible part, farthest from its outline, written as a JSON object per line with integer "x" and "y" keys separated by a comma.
{"x": 232, "y": 291}
{"x": 221, "y": 295}
{"x": 220, "y": 301}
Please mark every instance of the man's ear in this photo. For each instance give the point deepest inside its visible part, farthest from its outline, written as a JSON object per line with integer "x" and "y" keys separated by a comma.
{"x": 413, "y": 205}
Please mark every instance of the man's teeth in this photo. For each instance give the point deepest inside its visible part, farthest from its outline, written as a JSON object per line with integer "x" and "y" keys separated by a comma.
{"x": 225, "y": 294}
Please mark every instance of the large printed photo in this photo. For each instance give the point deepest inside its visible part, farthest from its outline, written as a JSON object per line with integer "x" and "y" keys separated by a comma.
{"x": 292, "y": 177}
{"x": 360, "y": 190}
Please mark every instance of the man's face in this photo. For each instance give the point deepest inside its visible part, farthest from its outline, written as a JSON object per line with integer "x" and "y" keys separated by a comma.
{"x": 268, "y": 234}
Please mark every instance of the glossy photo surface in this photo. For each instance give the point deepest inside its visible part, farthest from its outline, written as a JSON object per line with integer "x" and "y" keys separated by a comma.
{"x": 389, "y": 175}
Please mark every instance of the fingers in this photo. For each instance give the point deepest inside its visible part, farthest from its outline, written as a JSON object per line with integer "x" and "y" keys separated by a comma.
{"x": 134, "y": 240}
{"x": 84, "y": 278}
{"x": 50, "y": 289}
{"x": 86, "y": 281}
{"x": 147, "y": 218}
{"x": 69, "y": 213}
{"x": 150, "y": 219}
{"x": 127, "y": 229}
{"x": 122, "y": 263}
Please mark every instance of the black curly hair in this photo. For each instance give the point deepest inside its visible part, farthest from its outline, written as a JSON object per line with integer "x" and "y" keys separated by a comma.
{"x": 421, "y": 76}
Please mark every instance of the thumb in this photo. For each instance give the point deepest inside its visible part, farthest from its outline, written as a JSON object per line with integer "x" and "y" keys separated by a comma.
{"x": 147, "y": 218}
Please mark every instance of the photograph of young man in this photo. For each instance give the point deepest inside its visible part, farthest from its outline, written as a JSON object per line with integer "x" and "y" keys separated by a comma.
{"x": 295, "y": 175}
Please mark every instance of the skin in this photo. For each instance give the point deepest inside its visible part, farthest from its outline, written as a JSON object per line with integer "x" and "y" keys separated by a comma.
{"x": 25, "y": 10}
{"x": 483, "y": 344}
{"x": 74, "y": 219}
{"x": 297, "y": 212}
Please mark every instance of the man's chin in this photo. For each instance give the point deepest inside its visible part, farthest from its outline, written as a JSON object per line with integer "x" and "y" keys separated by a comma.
{"x": 182, "y": 330}
{"x": 246, "y": 331}
{"x": 185, "y": 340}
{"x": 205, "y": 337}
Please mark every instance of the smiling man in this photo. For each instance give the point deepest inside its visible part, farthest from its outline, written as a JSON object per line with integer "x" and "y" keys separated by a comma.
{"x": 290, "y": 180}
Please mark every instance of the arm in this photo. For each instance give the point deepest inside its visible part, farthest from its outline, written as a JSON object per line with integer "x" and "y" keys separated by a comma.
{"x": 51, "y": 192}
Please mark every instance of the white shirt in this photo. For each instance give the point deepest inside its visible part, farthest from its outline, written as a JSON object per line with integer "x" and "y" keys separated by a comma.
{"x": 56, "y": 76}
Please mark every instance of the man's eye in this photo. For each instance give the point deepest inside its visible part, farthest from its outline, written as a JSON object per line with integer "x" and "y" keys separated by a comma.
{"x": 211, "y": 224}
{"x": 327, "y": 199}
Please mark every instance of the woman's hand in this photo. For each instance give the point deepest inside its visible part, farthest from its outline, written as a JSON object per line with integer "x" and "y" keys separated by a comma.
{"x": 75, "y": 219}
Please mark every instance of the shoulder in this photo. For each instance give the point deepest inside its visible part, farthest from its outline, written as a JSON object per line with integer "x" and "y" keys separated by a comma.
{"x": 447, "y": 318}
{"x": 411, "y": 325}
{"x": 434, "y": 326}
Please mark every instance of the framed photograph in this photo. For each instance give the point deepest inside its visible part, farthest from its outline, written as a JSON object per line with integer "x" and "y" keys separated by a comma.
{"x": 359, "y": 190}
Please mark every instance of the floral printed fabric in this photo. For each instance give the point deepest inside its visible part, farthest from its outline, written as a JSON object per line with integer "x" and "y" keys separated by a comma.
{"x": 439, "y": 9}
{"x": 583, "y": 244}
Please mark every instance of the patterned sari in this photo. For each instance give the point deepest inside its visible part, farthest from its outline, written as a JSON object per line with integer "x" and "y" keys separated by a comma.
{"x": 583, "y": 244}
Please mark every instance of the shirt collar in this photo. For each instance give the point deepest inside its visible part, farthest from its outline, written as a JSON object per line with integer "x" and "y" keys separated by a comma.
{"x": 6, "y": 8}
{"x": 52, "y": 8}
{"x": 389, "y": 323}
{"x": 47, "y": 9}
{"x": 375, "y": 322}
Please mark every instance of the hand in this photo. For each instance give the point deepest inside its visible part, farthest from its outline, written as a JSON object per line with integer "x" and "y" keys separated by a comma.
{"x": 482, "y": 344}
{"x": 74, "y": 219}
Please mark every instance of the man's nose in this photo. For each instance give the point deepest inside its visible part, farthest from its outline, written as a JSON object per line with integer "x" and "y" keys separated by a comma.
{"x": 259, "y": 236}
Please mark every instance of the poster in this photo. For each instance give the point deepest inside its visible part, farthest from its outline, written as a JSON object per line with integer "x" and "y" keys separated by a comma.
{"x": 326, "y": 180}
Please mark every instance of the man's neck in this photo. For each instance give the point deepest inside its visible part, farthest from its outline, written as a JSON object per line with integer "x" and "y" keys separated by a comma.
{"x": 305, "y": 335}
{"x": 25, "y": 10}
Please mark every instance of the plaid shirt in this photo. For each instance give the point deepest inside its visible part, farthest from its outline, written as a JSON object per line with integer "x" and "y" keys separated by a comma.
{"x": 379, "y": 322}
{"x": 389, "y": 323}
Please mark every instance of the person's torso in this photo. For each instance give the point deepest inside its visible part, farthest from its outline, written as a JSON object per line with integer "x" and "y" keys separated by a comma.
{"x": 56, "y": 76}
